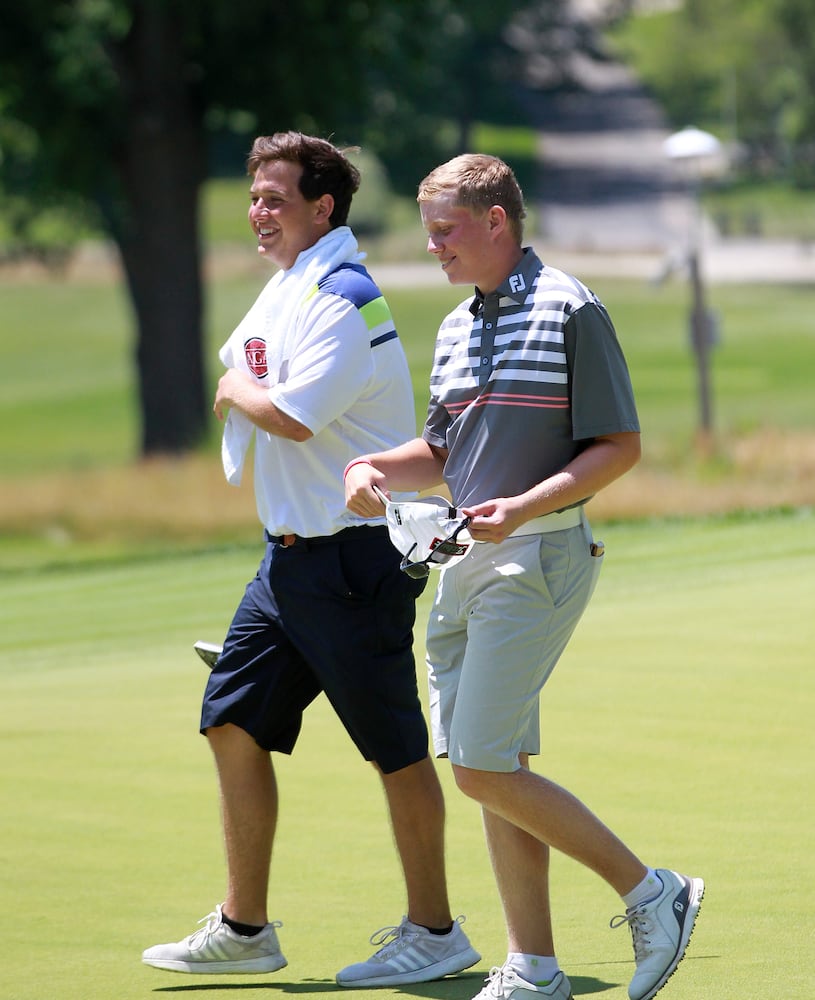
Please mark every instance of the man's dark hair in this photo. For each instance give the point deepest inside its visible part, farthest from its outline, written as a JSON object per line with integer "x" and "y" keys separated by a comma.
{"x": 326, "y": 169}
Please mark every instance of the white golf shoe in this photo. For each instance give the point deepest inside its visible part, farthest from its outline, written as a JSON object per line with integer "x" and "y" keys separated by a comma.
{"x": 216, "y": 949}
{"x": 660, "y": 931}
{"x": 506, "y": 984}
{"x": 411, "y": 954}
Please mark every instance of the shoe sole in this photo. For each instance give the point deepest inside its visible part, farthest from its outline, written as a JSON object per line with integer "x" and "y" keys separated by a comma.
{"x": 696, "y": 892}
{"x": 270, "y": 963}
{"x": 456, "y": 963}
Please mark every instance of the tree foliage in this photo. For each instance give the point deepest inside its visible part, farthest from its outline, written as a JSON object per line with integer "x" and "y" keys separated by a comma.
{"x": 110, "y": 110}
{"x": 743, "y": 68}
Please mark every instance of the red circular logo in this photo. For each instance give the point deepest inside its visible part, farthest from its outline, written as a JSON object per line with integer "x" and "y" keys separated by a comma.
{"x": 255, "y": 350}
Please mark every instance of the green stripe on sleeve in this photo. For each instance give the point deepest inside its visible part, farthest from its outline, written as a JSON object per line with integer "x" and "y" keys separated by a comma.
{"x": 376, "y": 312}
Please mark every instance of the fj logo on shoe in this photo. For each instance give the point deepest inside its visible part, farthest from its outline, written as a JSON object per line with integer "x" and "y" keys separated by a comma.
{"x": 679, "y": 906}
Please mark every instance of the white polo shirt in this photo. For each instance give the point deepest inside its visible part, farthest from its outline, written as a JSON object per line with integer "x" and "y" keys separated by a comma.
{"x": 348, "y": 381}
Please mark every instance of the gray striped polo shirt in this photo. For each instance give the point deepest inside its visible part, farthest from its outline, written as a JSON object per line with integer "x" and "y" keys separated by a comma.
{"x": 524, "y": 378}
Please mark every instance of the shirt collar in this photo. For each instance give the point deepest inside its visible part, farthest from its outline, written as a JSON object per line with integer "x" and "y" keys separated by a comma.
{"x": 516, "y": 285}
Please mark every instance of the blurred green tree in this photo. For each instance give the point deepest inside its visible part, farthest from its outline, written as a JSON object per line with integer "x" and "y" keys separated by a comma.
{"x": 743, "y": 68}
{"x": 109, "y": 108}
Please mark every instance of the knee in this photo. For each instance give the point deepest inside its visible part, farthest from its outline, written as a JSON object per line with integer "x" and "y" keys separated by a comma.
{"x": 219, "y": 735}
{"x": 231, "y": 739}
{"x": 418, "y": 780}
{"x": 473, "y": 783}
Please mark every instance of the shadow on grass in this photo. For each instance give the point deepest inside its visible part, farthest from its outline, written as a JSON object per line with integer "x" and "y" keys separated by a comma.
{"x": 462, "y": 987}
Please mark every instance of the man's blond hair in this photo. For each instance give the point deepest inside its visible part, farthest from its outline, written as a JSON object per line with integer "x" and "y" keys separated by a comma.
{"x": 477, "y": 181}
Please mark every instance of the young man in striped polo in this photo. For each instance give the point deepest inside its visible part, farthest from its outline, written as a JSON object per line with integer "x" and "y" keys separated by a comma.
{"x": 531, "y": 413}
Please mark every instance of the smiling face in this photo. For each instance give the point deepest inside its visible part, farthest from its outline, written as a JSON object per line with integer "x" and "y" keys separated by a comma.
{"x": 283, "y": 221}
{"x": 472, "y": 247}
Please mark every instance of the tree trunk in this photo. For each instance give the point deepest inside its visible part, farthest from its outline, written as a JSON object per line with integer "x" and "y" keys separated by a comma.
{"x": 162, "y": 166}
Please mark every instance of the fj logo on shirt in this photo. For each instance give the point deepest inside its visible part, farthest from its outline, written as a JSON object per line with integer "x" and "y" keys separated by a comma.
{"x": 517, "y": 283}
{"x": 255, "y": 350}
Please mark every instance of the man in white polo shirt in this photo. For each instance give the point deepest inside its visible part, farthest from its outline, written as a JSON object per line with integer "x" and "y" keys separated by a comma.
{"x": 531, "y": 413}
{"x": 316, "y": 374}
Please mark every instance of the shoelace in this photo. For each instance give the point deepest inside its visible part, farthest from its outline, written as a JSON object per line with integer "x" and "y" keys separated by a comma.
{"x": 391, "y": 939}
{"x": 212, "y": 921}
{"x": 641, "y": 925}
{"x": 494, "y": 983}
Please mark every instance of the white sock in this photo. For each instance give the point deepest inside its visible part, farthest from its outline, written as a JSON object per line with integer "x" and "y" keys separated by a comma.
{"x": 536, "y": 969}
{"x": 650, "y": 887}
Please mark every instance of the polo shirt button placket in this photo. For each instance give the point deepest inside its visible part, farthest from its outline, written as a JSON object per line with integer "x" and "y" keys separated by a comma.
{"x": 488, "y": 335}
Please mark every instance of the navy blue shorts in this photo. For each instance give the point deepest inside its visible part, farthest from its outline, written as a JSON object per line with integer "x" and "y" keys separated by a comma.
{"x": 332, "y": 614}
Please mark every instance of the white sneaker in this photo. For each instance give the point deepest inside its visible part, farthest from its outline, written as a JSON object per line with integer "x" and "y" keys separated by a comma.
{"x": 411, "y": 954}
{"x": 216, "y": 949}
{"x": 660, "y": 931}
{"x": 506, "y": 984}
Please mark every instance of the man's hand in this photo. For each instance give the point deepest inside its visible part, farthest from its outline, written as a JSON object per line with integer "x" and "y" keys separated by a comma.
{"x": 495, "y": 520}
{"x": 599, "y": 464}
{"x": 360, "y": 496}
{"x": 232, "y": 385}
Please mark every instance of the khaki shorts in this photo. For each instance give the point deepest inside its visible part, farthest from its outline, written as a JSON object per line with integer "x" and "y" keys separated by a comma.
{"x": 500, "y": 621}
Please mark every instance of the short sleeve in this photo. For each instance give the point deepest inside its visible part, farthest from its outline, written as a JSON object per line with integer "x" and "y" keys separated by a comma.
{"x": 602, "y": 396}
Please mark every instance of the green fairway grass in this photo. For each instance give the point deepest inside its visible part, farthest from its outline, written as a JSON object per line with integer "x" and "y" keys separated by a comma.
{"x": 66, "y": 378}
{"x": 682, "y": 712}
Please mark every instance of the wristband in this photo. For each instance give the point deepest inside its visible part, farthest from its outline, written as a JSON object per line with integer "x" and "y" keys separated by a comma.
{"x": 356, "y": 461}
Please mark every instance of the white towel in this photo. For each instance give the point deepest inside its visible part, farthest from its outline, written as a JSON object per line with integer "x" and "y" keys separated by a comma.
{"x": 273, "y": 319}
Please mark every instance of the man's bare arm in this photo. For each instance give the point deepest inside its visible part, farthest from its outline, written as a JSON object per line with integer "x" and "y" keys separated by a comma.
{"x": 604, "y": 460}
{"x": 238, "y": 391}
{"x": 415, "y": 465}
